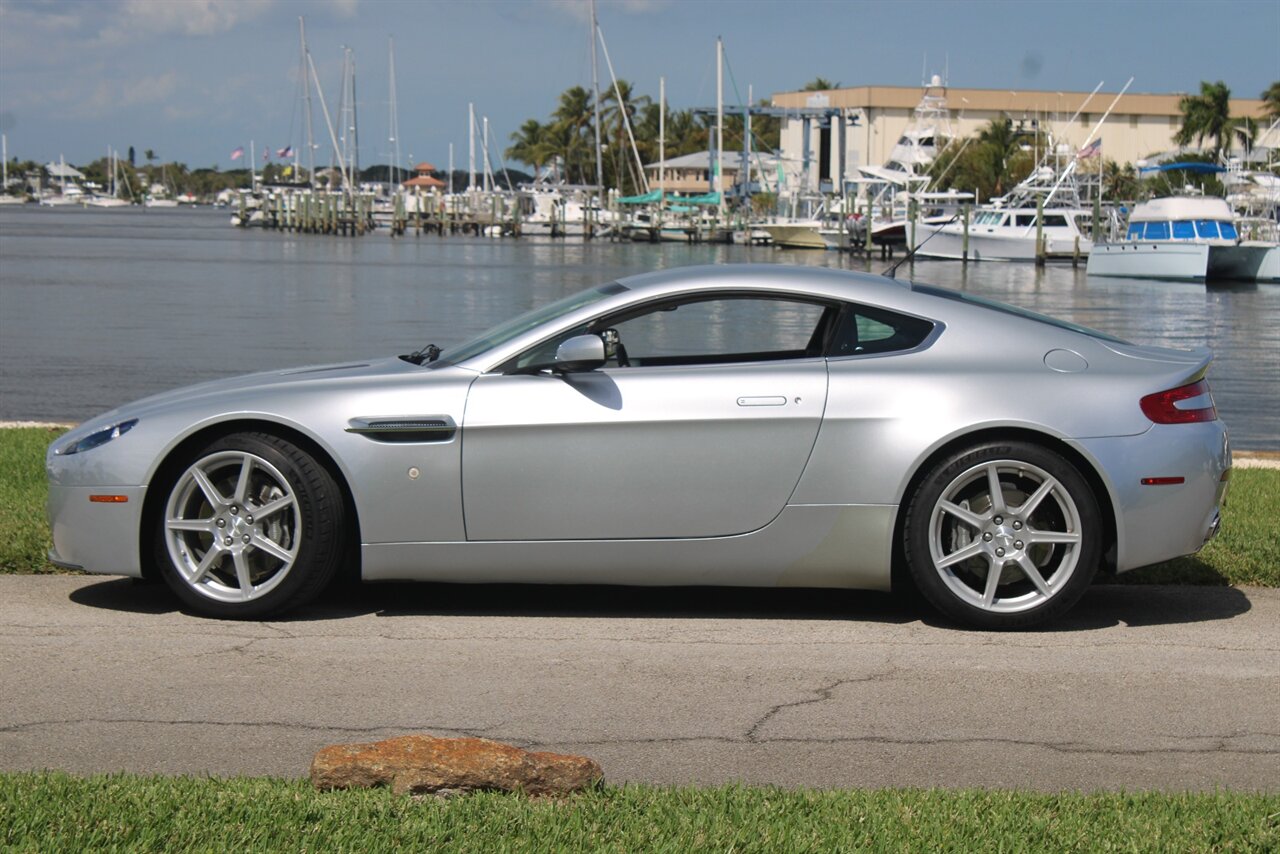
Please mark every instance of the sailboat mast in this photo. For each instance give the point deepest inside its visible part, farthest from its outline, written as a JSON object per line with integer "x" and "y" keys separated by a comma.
{"x": 393, "y": 122}
{"x": 662, "y": 136}
{"x": 355, "y": 130}
{"x": 595, "y": 101}
{"x": 720, "y": 123}
{"x": 471, "y": 145}
{"x": 306, "y": 106}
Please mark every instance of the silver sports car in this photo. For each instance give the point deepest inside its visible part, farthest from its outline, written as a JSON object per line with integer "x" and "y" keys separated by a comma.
{"x": 752, "y": 425}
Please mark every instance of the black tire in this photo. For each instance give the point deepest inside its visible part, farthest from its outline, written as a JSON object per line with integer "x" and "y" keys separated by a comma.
{"x": 951, "y": 548}
{"x": 211, "y": 550}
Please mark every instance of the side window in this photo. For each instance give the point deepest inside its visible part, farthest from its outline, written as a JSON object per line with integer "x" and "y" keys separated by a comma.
{"x": 1025, "y": 219}
{"x": 1135, "y": 231}
{"x": 1228, "y": 230}
{"x": 863, "y": 331}
{"x": 1183, "y": 230}
{"x": 1207, "y": 228}
{"x": 1055, "y": 219}
{"x": 1157, "y": 231}
{"x": 720, "y": 330}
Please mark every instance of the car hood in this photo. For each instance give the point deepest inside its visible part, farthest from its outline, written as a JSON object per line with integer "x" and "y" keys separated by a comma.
{"x": 295, "y": 378}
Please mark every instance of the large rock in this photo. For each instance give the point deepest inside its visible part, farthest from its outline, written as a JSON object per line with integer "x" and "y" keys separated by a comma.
{"x": 424, "y": 764}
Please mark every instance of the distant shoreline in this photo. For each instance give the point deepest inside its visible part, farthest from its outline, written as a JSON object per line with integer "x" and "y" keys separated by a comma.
{"x": 1240, "y": 459}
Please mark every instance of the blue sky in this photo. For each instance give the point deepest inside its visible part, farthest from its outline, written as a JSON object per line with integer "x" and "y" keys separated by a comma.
{"x": 194, "y": 79}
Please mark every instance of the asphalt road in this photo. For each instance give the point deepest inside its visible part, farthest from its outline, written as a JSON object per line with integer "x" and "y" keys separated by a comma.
{"x": 1141, "y": 687}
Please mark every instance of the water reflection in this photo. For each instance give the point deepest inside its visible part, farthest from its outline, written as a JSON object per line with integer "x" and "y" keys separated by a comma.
{"x": 101, "y": 307}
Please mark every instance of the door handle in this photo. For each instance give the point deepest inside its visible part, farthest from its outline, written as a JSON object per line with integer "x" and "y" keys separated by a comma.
{"x": 774, "y": 400}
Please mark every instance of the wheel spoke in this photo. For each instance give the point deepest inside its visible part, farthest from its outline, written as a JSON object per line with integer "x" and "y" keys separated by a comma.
{"x": 273, "y": 507}
{"x": 1067, "y": 537}
{"x": 970, "y": 518}
{"x": 962, "y": 553}
{"x": 272, "y": 548}
{"x": 242, "y": 574}
{"x": 203, "y": 526}
{"x": 210, "y": 558}
{"x": 206, "y": 486}
{"x": 994, "y": 569}
{"x": 996, "y": 490}
{"x": 1032, "y": 572}
{"x": 1033, "y": 501}
{"x": 242, "y": 483}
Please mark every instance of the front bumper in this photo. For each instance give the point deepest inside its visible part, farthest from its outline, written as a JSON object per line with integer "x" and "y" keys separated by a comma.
{"x": 94, "y": 536}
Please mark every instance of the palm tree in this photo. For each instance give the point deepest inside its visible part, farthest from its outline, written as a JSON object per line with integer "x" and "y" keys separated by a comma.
{"x": 623, "y": 105}
{"x": 527, "y": 145}
{"x": 819, "y": 84}
{"x": 685, "y": 134}
{"x": 574, "y": 116}
{"x": 1271, "y": 101}
{"x": 998, "y": 145}
{"x": 1207, "y": 115}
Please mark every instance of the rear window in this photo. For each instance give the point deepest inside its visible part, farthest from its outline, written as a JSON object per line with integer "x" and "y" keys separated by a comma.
{"x": 863, "y": 331}
{"x": 1004, "y": 308}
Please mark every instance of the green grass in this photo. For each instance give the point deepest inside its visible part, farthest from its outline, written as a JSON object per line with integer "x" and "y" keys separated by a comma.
{"x": 24, "y": 531}
{"x": 53, "y": 811}
{"x": 1246, "y": 552}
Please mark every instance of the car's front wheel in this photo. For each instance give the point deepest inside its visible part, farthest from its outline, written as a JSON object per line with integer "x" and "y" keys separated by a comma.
{"x": 1003, "y": 535}
{"x": 252, "y": 526}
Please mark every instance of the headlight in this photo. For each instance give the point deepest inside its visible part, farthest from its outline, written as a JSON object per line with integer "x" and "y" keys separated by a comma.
{"x": 98, "y": 437}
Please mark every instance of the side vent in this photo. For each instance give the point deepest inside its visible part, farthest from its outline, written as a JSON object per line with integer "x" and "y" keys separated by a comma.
{"x": 409, "y": 429}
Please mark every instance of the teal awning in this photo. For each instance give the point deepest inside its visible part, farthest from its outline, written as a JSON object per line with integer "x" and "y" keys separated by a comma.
{"x": 645, "y": 199}
{"x": 704, "y": 199}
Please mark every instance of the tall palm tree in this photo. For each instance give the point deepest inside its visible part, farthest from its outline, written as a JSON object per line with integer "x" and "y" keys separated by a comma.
{"x": 623, "y": 104}
{"x": 574, "y": 116}
{"x": 1207, "y": 115}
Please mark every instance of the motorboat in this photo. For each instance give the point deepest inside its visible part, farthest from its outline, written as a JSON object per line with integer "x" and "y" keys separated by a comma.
{"x": 1045, "y": 206}
{"x": 1191, "y": 238}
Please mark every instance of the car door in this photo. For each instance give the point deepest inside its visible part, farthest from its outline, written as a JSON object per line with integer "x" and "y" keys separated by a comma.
{"x": 701, "y": 428}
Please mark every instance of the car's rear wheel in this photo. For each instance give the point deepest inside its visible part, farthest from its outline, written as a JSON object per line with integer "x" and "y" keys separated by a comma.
{"x": 252, "y": 526}
{"x": 1003, "y": 535}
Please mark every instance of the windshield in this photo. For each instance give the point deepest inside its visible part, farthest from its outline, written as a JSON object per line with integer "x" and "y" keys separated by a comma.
{"x": 946, "y": 293}
{"x": 517, "y": 326}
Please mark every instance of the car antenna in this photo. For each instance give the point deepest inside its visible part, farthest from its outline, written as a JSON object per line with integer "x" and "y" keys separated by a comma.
{"x": 889, "y": 273}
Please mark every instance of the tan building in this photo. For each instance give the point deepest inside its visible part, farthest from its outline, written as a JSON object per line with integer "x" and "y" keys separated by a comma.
{"x": 1141, "y": 125}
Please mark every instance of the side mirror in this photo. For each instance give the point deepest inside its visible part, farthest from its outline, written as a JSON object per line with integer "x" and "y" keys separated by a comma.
{"x": 580, "y": 353}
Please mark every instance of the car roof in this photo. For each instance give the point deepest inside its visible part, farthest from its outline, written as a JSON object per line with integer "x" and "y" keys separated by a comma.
{"x": 842, "y": 284}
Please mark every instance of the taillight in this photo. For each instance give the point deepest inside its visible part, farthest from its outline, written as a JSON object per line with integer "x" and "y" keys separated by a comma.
{"x": 1183, "y": 405}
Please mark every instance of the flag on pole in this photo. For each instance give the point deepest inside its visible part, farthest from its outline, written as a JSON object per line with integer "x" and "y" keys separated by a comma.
{"x": 266, "y": 154}
{"x": 288, "y": 170}
{"x": 238, "y": 153}
{"x": 1093, "y": 149}
{"x": 287, "y": 151}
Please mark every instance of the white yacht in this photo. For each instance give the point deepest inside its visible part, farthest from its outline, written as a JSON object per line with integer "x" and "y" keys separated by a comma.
{"x": 1185, "y": 237}
{"x": 905, "y": 175}
{"x": 1007, "y": 228}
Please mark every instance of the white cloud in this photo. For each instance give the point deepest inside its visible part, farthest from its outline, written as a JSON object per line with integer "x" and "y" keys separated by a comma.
{"x": 186, "y": 17}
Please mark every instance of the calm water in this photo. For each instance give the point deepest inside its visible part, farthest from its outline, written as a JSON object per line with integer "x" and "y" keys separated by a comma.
{"x": 100, "y": 307}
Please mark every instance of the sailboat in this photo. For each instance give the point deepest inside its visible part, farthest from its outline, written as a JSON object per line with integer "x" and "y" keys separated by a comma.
{"x": 112, "y": 200}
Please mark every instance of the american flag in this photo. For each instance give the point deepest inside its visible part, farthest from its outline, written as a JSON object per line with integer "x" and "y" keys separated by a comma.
{"x": 1093, "y": 149}
{"x": 287, "y": 151}
{"x": 238, "y": 153}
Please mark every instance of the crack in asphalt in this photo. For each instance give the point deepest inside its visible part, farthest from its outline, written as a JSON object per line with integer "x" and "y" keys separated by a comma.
{"x": 824, "y": 693}
{"x": 474, "y": 732}
{"x": 1221, "y": 743}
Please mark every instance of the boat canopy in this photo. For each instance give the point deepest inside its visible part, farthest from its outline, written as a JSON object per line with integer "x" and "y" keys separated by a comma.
{"x": 657, "y": 196}
{"x": 1196, "y": 167}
